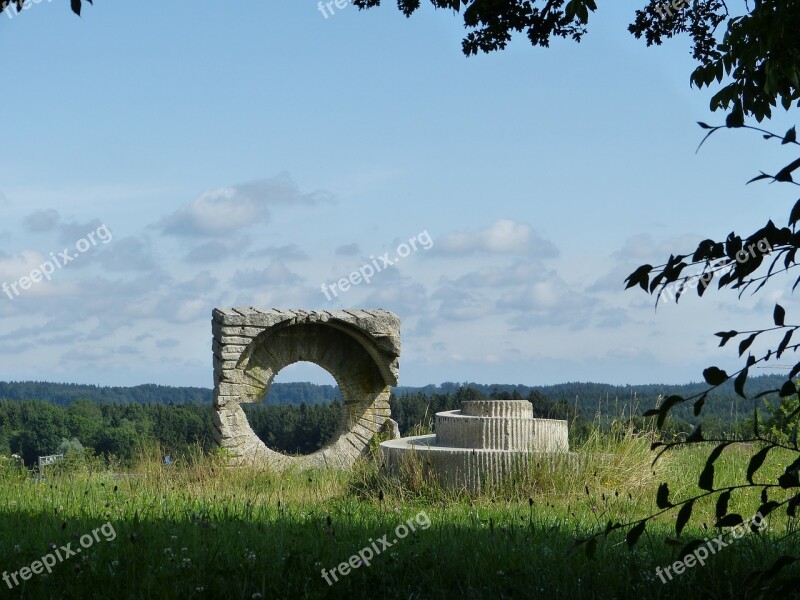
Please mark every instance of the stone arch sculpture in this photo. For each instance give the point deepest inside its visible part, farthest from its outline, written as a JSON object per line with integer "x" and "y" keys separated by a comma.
{"x": 359, "y": 348}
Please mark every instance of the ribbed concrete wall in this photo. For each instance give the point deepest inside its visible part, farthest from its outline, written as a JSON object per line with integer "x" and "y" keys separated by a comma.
{"x": 460, "y": 431}
{"x": 481, "y": 443}
{"x": 462, "y": 468}
{"x": 508, "y": 409}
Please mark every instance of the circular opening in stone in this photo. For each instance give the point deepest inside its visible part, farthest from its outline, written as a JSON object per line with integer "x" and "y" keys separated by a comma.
{"x": 302, "y": 412}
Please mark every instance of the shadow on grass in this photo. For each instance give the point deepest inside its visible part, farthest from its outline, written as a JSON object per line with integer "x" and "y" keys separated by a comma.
{"x": 279, "y": 552}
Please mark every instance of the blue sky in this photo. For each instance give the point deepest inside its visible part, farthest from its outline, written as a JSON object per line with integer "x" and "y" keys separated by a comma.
{"x": 247, "y": 154}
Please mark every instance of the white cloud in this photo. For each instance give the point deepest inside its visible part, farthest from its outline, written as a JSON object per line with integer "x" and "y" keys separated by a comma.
{"x": 503, "y": 237}
{"x": 225, "y": 211}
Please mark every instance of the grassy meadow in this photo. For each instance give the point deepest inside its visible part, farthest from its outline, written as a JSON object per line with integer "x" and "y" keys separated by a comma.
{"x": 198, "y": 529}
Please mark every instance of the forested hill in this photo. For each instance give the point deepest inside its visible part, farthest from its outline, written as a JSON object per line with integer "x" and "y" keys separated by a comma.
{"x": 615, "y": 400}
{"x": 66, "y": 393}
{"x": 589, "y": 397}
{"x": 599, "y": 392}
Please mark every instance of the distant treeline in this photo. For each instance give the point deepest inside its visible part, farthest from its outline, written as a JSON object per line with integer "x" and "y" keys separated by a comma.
{"x": 723, "y": 406}
{"x": 590, "y": 398}
{"x": 42, "y": 418}
{"x": 65, "y": 394}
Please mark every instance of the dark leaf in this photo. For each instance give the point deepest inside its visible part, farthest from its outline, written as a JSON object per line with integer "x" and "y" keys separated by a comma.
{"x": 787, "y": 389}
{"x": 696, "y": 435}
{"x": 725, "y": 336}
{"x": 683, "y": 517}
{"x": 736, "y": 117}
{"x": 656, "y": 280}
{"x": 669, "y": 402}
{"x": 768, "y": 507}
{"x": 635, "y": 533}
{"x": 791, "y": 506}
{"x": 791, "y": 475}
{"x": 785, "y": 174}
{"x": 640, "y": 277}
{"x": 789, "y": 480}
{"x": 698, "y": 406}
{"x": 714, "y": 376}
{"x": 731, "y": 520}
{"x": 76, "y": 6}
{"x": 746, "y": 343}
{"x": 722, "y": 504}
{"x": 662, "y": 497}
{"x": 784, "y": 343}
{"x": 738, "y": 383}
{"x": 690, "y": 548}
{"x": 705, "y": 280}
{"x": 790, "y": 136}
{"x": 706, "y": 481}
{"x": 756, "y": 461}
{"x": 794, "y": 217}
{"x": 778, "y": 315}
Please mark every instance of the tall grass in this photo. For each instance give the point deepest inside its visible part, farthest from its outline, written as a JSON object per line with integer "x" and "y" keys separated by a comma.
{"x": 200, "y": 529}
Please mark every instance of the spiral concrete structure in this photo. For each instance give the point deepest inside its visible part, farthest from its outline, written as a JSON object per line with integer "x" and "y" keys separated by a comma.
{"x": 481, "y": 443}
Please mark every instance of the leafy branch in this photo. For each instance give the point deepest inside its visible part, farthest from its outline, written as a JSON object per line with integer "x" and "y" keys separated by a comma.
{"x": 735, "y": 263}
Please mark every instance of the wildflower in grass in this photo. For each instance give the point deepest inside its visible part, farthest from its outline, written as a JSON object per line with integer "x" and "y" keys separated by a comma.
{"x": 250, "y": 557}
{"x": 200, "y": 589}
{"x": 256, "y": 596}
{"x": 186, "y": 563}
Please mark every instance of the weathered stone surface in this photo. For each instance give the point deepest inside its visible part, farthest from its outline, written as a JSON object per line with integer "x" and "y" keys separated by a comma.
{"x": 392, "y": 428}
{"x": 361, "y": 349}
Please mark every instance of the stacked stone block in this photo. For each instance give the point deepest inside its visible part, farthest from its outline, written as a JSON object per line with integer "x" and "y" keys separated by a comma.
{"x": 359, "y": 348}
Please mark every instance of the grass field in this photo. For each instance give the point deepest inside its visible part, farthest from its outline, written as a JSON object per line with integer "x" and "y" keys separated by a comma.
{"x": 197, "y": 529}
